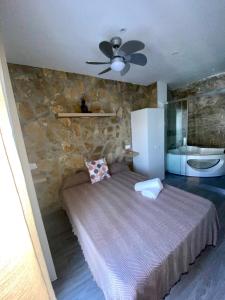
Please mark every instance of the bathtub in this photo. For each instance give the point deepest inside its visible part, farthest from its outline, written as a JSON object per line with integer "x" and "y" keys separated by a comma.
{"x": 196, "y": 161}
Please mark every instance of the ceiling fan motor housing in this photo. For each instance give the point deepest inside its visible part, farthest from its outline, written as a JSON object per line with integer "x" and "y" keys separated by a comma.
{"x": 116, "y": 42}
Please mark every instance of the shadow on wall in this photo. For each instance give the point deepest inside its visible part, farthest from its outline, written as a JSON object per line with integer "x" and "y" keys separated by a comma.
{"x": 59, "y": 146}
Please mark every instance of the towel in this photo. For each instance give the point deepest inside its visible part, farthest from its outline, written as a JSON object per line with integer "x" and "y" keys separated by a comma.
{"x": 151, "y": 183}
{"x": 151, "y": 193}
{"x": 149, "y": 188}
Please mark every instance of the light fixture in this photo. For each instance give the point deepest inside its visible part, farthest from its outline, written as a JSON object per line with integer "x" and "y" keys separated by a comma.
{"x": 117, "y": 64}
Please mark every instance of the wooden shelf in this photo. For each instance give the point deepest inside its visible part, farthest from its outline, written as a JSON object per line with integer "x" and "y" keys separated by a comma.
{"x": 85, "y": 115}
{"x": 39, "y": 179}
{"x": 130, "y": 153}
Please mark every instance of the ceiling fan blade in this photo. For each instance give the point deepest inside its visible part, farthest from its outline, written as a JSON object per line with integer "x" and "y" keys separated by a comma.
{"x": 125, "y": 69}
{"x": 138, "y": 59}
{"x": 97, "y": 63}
{"x": 105, "y": 71}
{"x": 106, "y": 48}
{"x": 131, "y": 47}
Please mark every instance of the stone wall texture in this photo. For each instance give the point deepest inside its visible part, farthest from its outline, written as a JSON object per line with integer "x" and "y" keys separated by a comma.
{"x": 59, "y": 146}
{"x": 206, "y": 111}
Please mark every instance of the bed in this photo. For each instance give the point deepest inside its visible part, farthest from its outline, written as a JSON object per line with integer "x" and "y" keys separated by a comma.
{"x": 137, "y": 248}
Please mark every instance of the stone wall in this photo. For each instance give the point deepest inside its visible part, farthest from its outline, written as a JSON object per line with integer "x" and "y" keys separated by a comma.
{"x": 206, "y": 111}
{"x": 59, "y": 146}
{"x": 210, "y": 84}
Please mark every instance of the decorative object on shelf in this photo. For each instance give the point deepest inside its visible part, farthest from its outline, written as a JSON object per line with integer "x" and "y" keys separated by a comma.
{"x": 83, "y": 106}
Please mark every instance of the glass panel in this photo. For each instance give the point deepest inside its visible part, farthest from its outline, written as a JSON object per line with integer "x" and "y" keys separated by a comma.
{"x": 176, "y": 124}
{"x": 203, "y": 164}
{"x": 177, "y": 137}
{"x": 205, "y": 115}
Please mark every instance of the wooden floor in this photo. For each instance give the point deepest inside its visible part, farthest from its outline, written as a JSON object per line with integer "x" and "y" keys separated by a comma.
{"x": 205, "y": 280}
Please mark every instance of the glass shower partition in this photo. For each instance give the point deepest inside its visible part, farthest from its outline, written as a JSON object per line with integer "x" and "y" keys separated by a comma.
{"x": 177, "y": 132}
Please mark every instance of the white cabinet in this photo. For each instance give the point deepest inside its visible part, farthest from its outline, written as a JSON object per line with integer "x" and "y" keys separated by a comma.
{"x": 147, "y": 126}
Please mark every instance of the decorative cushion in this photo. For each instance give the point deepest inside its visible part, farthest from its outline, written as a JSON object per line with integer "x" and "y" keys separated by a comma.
{"x": 98, "y": 170}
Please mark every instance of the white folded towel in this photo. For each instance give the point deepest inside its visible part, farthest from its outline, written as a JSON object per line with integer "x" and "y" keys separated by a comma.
{"x": 151, "y": 193}
{"x": 149, "y": 188}
{"x": 148, "y": 184}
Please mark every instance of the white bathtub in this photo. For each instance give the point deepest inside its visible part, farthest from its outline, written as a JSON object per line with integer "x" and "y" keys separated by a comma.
{"x": 195, "y": 161}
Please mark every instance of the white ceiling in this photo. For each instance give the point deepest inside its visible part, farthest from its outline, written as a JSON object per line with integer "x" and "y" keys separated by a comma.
{"x": 185, "y": 39}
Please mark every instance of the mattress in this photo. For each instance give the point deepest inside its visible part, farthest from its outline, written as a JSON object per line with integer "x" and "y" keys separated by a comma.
{"x": 137, "y": 248}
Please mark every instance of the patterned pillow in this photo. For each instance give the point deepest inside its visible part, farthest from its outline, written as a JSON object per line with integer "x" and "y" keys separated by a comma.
{"x": 98, "y": 170}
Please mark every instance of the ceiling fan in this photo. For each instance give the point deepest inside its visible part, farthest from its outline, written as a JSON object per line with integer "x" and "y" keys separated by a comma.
{"x": 121, "y": 56}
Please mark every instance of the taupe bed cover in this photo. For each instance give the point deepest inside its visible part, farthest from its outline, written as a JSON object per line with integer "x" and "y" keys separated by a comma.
{"x": 137, "y": 248}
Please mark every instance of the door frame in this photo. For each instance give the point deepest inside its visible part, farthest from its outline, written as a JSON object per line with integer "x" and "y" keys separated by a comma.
{"x": 16, "y": 152}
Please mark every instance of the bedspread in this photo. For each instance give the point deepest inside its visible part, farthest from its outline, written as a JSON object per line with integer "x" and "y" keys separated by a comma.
{"x": 137, "y": 248}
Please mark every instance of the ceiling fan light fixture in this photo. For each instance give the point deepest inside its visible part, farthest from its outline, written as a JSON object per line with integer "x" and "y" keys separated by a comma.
{"x": 121, "y": 56}
{"x": 117, "y": 64}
